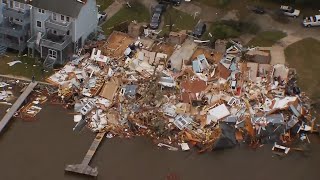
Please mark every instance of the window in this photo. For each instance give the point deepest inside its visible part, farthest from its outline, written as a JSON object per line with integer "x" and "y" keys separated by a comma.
{"x": 68, "y": 19}
{"x": 52, "y": 54}
{"x": 39, "y": 24}
{"x": 54, "y": 16}
{"x": 62, "y": 17}
{"x": 54, "y": 32}
{"x": 41, "y": 11}
{"x": 68, "y": 33}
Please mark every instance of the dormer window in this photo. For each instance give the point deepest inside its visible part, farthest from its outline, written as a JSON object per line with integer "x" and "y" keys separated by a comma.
{"x": 62, "y": 17}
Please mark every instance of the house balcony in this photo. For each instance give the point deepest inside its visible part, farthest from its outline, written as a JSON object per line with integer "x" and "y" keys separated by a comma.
{"x": 56, "y": 42}
{"x": 59, "y": 26}
{"x": 12, "y": 29}
{"x": 16, "y": 14}
{"x": 12, "y": 43}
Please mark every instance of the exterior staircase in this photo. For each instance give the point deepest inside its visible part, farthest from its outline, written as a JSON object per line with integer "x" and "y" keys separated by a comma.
{"x": 3, "y": 50}
{"x": 49, "y": 62}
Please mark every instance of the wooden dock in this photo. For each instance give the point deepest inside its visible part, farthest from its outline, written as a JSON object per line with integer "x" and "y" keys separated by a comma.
{"x": 84, "y": 167}
{"x": 5, "y": 120}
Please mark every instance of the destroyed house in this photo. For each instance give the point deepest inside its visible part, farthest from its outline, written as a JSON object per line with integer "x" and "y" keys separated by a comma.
{"x": 14, "y": 24}
{"x": 60, "y": 28}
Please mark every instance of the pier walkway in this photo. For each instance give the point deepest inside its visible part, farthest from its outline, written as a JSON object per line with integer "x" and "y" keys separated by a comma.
{"x": 84, "y": 167}
{"x": 5, "y": 120}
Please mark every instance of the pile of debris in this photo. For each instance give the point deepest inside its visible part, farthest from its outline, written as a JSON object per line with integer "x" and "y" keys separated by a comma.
{"x": 206, "y": 105}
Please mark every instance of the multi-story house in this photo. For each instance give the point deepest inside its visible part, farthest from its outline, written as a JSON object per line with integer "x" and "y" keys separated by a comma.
{"x": 14, "y": 24}
{"x": 56, "y": 28}
{"x": 60, "y": 27}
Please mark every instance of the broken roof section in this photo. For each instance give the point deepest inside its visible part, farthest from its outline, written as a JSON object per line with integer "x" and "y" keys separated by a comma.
{"x": 109, "y": 89}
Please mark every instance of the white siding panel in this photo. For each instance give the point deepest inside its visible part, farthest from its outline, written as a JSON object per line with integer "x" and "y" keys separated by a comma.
{"x": 87, "y": 20}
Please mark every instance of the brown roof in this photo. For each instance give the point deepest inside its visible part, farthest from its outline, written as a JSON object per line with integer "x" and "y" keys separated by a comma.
{"x": 223, "y": 71}
{"x": 195, "y": 86}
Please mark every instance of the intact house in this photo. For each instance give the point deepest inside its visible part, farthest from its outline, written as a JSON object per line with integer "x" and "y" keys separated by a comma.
{"x": 14, "y": 24}
{"x": 59, "y": 28}
{"x": 53, "y": 29}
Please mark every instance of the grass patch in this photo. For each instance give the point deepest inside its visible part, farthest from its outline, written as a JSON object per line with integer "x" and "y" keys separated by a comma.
{"x": 304, "y": 57}
{"x": 179, "y": 19}
{"x": 231, "y": 29}
{"x": 267, "y": 38}
{"x": 27, "y": 68}
{"x": 123, "y": 17}
{"x": 215, "y": 3}
{"x": 104, "y": 4}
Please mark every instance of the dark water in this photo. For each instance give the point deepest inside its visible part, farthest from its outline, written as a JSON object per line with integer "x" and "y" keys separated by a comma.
{"x": 40, "y": 150}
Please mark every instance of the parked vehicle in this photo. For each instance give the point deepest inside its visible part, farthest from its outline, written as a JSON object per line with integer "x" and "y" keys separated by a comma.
{"x": 155, "y": 21}
{"x": 102, "y": 16}
{"x": 258, "y": 10}
{"x": 173, "y": 2}
{"x": 312, "y": 21}
{"x": 290, "y": 11}
{"x": 199, "y": 29}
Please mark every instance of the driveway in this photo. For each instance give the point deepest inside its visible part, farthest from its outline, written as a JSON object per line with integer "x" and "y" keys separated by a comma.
{"x": 113, "y": 9}
{"x": 294, "y": 29}
{"x": 149, "y": 4}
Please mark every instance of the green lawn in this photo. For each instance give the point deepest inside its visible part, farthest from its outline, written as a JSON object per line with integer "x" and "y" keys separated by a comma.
{"x": 137, "y": 12}
{"x": 230, "y": 29}
{"x": 179, "y": 19}
{"x": 304, "y": 57}
{"x": 215, "y": 3}
{"x": 267, "y": 38}
{"x": 27, "y": 68}
{"x": 104, "y": 4}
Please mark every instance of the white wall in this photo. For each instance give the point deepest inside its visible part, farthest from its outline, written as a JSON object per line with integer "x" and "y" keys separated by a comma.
{"x": 58, "y": 18}
{"x": 19, "y": 6}
{"x": 37, "y": 16}
{"x": 1, "y": 16}
{"x": 87, "y": 21}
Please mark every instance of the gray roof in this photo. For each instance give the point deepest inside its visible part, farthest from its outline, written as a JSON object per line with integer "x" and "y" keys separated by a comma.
{"x": 65, "y": 7}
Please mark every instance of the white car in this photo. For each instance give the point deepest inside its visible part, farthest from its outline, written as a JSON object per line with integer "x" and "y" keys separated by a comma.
{"x": 312, "y": 21}
{"x": 290, "y": 11}
{"x": 102, "y": 16}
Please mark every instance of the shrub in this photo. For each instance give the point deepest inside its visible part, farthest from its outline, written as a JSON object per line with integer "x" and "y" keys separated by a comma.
{"x": 231, "y": 29}
{"x": 223, "y": 2}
